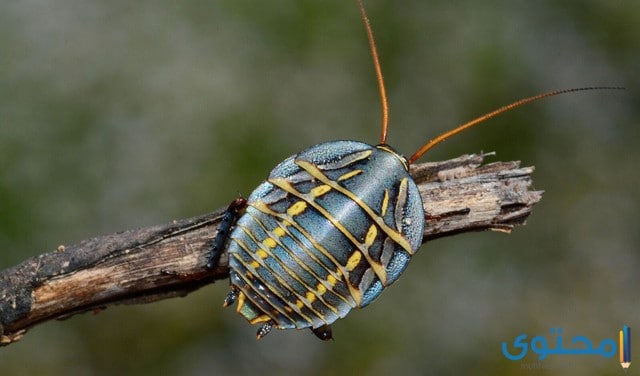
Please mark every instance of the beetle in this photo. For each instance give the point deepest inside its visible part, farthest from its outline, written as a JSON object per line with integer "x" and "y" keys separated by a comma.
{"x": 329, "y": 229}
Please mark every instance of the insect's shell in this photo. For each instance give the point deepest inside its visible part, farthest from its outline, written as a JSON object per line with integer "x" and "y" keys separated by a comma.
{"x": 328, "y": 230}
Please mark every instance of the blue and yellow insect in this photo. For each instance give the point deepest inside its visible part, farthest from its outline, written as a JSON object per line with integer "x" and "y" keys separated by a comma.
{"x": 329, "y": 230}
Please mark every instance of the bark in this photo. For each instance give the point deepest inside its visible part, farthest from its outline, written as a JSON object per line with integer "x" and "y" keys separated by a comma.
{"x": 159, "y": 262}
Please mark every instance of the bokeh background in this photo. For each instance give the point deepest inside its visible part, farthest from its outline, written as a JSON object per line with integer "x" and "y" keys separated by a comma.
{"x": 120, "y": 114}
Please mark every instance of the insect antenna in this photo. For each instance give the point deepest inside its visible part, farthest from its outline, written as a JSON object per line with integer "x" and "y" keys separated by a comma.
{"x": 426, "y": 147}
{"x": 376, "y": 64}
{"x": 429, "y": 145}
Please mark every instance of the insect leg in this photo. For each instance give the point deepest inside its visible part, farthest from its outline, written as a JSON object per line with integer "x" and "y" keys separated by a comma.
{"x": 231, "y": 298}
{"x": 264, "y": 329}
{"x": 323, "y": 332}
{"x": 228, "y": 219}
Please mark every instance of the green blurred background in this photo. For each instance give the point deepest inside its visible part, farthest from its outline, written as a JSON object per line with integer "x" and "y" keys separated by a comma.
{"x": 120, "y": 114}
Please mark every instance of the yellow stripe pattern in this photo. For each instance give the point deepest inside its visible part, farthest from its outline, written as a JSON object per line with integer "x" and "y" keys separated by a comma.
{"x": 284, "y": 272}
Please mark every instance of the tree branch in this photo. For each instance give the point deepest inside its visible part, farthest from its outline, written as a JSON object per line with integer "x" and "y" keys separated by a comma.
{"x": 159, "y": 262}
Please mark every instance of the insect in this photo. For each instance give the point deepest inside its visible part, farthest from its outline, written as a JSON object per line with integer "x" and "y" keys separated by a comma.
{"x": 330, "y": 228}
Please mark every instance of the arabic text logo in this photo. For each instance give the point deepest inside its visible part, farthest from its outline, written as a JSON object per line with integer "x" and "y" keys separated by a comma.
{"x": 578, "y": 345}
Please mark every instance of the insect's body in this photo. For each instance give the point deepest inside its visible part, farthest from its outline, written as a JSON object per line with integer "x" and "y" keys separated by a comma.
{"x": 328, "y": 230}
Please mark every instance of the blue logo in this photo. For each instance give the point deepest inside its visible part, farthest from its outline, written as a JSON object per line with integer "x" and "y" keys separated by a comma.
{"x": 577, "y": 345}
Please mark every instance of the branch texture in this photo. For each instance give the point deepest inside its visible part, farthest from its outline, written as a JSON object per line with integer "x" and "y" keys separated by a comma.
{"x": 164, "y": 261}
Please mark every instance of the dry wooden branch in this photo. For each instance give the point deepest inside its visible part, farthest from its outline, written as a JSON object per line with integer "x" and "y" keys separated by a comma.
{"x": 159, "y": 262}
